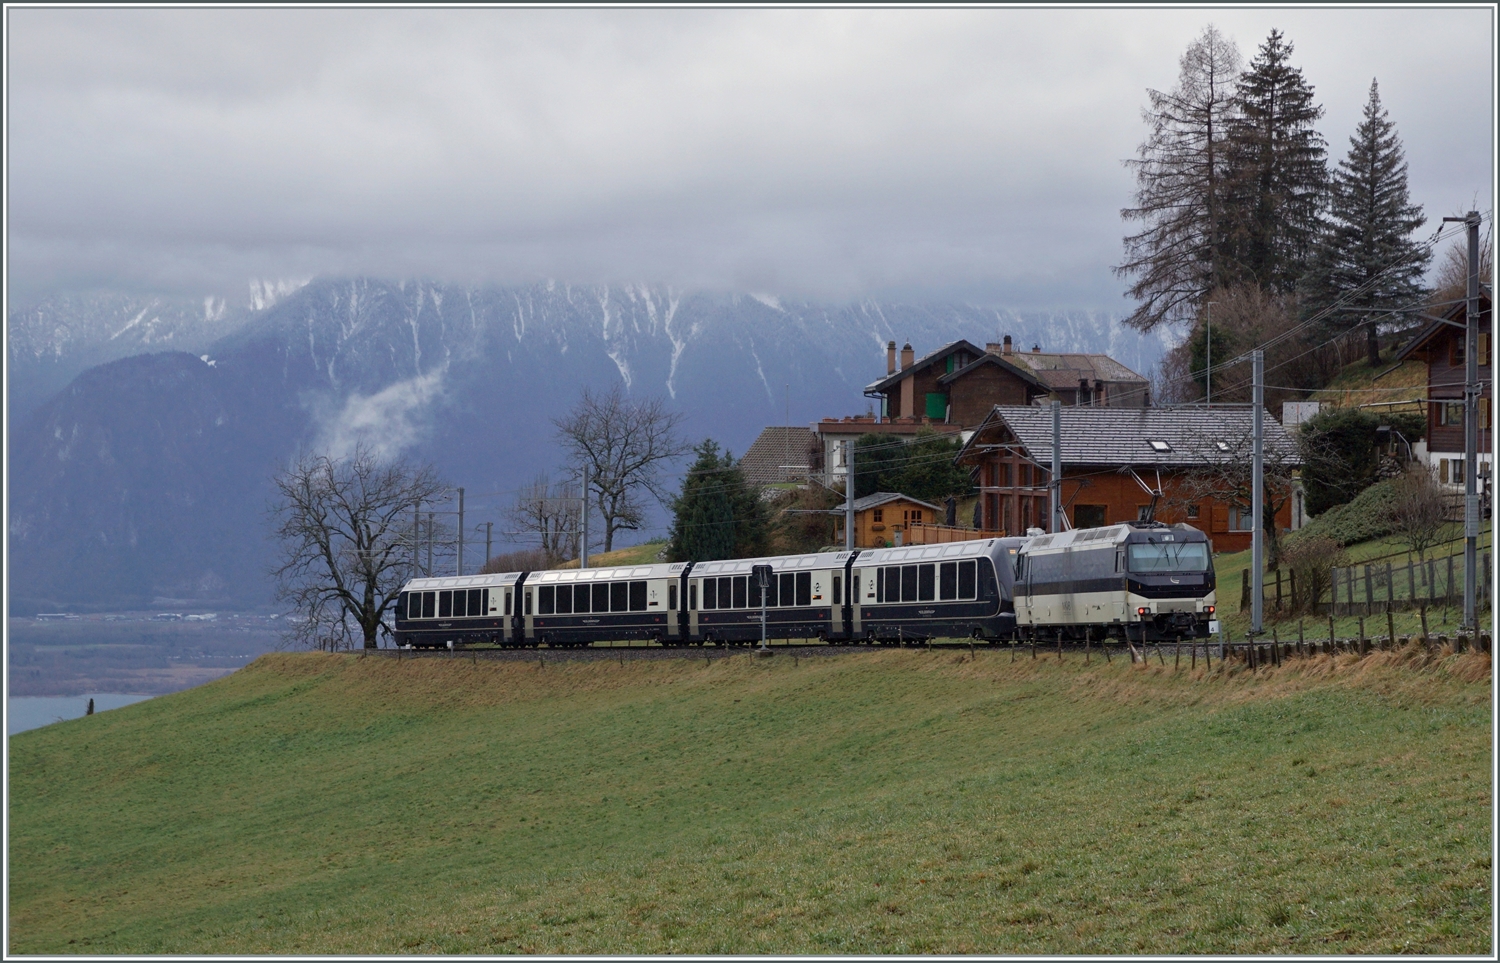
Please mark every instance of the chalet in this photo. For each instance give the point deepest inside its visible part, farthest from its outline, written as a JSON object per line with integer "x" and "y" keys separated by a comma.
{"x": 1114, "y": 459}
{"x": 781, "y": 455}
{"x": 955, "y": 385}
{"x": 1441, "y": 344}
{"x": 882, "y": 519}
{"x": 1083, "y": 379}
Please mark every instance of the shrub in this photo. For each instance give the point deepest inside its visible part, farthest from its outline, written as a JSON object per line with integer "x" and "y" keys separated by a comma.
{"x": 1310, "y": 557}
{"x": 1367, "y": 516}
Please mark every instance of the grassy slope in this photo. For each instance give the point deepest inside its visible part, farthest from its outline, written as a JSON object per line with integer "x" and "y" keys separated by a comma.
{"x": 888, "y": 801}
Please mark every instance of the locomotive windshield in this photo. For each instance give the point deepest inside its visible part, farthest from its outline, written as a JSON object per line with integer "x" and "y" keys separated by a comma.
{"x": 1162, "y": 557}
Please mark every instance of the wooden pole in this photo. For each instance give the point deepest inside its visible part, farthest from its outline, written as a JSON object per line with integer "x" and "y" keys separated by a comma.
{"x": 1331, "y": 637}
{"x": 1390, "y": 625}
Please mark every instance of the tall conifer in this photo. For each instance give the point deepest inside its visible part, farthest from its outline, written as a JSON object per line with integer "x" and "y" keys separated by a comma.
{"x": 1278, "y": 171}
{"x": 718, "y": 514}
{"x": 1367, "y": 257}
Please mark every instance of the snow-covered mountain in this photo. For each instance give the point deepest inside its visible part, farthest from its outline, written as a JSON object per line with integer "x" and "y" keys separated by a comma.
{"x": 148, "y": 475}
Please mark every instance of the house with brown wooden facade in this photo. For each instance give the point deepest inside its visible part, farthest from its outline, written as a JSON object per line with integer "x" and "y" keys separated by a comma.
{"x": 1118, "y": 464}
{"x": 885, "y": 518}
{"x": 1442, "y": 344}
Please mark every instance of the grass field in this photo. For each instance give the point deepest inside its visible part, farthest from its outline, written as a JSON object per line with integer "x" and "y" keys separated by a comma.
{"x": 887, "y": 801}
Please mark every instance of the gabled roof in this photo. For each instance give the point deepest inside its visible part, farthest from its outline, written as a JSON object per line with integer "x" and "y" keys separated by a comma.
{"x": 922, "y": 362}
{"x": 1058, "y": 370}
{"x": 1018, "y": 370}
{"x": 778, "y": 455}
{"x": 1444, "y": 320}
{"x": 1122, "y": 437}
{"x": 881, "y": 498}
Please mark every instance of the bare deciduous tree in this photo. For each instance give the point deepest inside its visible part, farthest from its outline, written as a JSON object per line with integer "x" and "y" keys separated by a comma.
{"x": 1311, "y": 557}
{"x": 550, "y": 511}
{"x": 345, "y": 530}
{"x": 1417, "y": 512}
{"x": 624, "y": 445}
{"x": 1223, "y": 472}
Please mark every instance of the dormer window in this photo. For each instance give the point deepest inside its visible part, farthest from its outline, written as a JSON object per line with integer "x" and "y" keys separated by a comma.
{"x": 1158, "y": 445}
{"x": 1221, "y": 445}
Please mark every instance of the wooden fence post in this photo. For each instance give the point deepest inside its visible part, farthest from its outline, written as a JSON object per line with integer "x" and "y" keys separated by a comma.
{"x": 1369, "y": 593}
{"x": 1390, "y": 584}
{"x": 1411, "y": 582}
{"x": 1422, "y": 609}
{"x": 1390, "y": 624}
{"x": 1278, "y": 589}
{"x": 1330, "y": 632}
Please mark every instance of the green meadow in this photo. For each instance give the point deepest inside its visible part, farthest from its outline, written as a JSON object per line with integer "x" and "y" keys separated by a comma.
{"x": 900, "y": 801}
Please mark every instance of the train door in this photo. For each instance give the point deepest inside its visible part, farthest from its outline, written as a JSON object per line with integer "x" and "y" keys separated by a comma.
{"x": 683, "y": 619}
{"x": 692, "y": 605}
{"x": 848, "y": 601}
{"x": 524, "y": 619}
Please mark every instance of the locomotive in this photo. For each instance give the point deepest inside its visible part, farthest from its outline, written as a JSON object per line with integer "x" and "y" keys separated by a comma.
{"x": 1136, "y": 581}
{"x": 1141, "y": 581}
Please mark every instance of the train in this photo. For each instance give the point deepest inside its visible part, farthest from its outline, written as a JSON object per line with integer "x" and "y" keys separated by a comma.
{"x": 986, "y": 590}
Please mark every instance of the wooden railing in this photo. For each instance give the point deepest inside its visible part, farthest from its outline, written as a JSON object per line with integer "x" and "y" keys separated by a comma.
{"x": 922, "y": 533}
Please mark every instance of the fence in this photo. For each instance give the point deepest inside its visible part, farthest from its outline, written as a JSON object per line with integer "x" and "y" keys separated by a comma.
{"x": 1370, "y": 587}
{"x": 922, "y": 533}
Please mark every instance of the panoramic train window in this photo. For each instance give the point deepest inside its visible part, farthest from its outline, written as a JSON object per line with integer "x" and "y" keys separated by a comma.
{"x": 637, "y": 596}
{"x": 804, "y": 588}
{"x": 445, "y": 605}
{"x": 726, "y": 591}
{"x": 565, "y": 600}
{"x": 544, "y": 597}
{"x": 925, "y": 586}
{"x": 710, "y": 593}
{"x": 788, "y": 590}
{"x": 967, "y": 582}
{"x": 908, "y": 583}
{"x": 600, "y": 594}
{"x": 479, "y": 601}
{"x": 739, "y": 591}
{"x": 619, "y": 596}
{"x": 1169, "y": 557}
{"x": 429, "y": 605}
{"x": 948, "y": 581}
{"x": 580, "y": 599}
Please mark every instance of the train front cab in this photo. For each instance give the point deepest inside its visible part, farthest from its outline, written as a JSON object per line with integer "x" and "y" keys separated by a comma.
{"x": 1170, "y": 583}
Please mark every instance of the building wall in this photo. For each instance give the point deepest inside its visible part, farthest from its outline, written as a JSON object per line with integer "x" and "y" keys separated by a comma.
{"x": 973, "y": 395}
{"x": 876, "y": 527}
{"x": 1101, "y": 496}
{"x": 1445, "y": 377}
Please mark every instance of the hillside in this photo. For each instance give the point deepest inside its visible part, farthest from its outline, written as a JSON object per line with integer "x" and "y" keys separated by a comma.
{"x": 897, "y": 801}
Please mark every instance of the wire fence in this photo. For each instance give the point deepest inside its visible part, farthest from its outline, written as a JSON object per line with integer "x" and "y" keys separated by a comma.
{"x": 1370, "y": 587}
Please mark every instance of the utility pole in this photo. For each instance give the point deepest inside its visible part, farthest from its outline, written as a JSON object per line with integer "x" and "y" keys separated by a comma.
{"x": 848, "y": 497}
{"x": 1054, "y": 484}
{"x": 416, "y": 539}
{"x": 583, "y": 543}
{"x": 1208, "y": 352}
{"x": 1471, "y": 426}
{"x": 460, "y": 532}
{"x": 429, "y": 544}
{"x": 487, "y": 533}
{"x": 1257, "y": 493}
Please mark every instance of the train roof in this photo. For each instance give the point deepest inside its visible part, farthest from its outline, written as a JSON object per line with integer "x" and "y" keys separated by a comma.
{"x": 1108, "y": 535}
{"x": 974, "y": 548}
{"x": 461, "y": 581}
{"x": 654, "y": 570}
{"x": 778, "y": 563}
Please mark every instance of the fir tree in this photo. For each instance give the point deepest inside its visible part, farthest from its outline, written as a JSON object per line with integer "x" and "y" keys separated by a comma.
{"x": 1278, "y": 172}
{"x": 1367, "y": 262}
{"x": 718, "y": 514}
{"x": 1180, "y": 175}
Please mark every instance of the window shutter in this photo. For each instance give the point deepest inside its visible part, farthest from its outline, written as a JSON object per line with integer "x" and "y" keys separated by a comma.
{"x": 1443, "y": 471}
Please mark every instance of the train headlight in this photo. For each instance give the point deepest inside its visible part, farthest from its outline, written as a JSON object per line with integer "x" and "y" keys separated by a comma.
{"x": 1209, "y": 609}
{"x": 1141, "y": 611}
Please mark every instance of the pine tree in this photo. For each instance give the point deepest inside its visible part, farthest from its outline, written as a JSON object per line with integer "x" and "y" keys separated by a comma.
{"x": 718, "y": 514}
{"x": 1179, "y": 254}
{"x": 1278, "y": 172}
{"x": 1367, "y": 257}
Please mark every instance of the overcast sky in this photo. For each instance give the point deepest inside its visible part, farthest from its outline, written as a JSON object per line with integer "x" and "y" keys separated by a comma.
{"x": 818, "y": 153}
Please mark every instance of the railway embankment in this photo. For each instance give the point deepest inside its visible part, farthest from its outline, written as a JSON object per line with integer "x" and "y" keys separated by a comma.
{"x": 941, "y": 800}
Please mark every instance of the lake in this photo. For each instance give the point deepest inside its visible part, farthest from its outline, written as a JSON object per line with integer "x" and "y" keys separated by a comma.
{"x": 33, "y": 712}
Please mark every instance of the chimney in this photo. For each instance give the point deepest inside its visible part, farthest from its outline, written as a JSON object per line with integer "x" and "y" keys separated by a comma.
{"x": 1083, "y": 391}
{"x": 907, "y": 356}
{"x": 890, "y": 357}
{"x": 991, "y": 348}
{"x": 1036, "y": 349}
{"x": 1007, "y": 344}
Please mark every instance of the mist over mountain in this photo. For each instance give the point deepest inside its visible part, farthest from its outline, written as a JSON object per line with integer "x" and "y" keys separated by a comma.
{"x": 147, "y": 476}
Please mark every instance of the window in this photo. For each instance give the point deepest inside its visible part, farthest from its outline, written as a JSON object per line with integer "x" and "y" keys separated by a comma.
{"x": 908, "y": 583}
{"x": 772, "y": 584}
{"x": 1169, "y": 557}
{"x": 1023, "y": 474}
{"x": 507, "y": 602}
{"x": 804, "y": 588}
{"x": 619, "y": 596}
{"x": 788, "y": 593}
{"x": 879, "y": 514}
{"x": 528, "y": 602}
{"x": 739, "y": 591}
{"x": 926, "y": 589}
{"x": 966, "y": 580}
{"x": 948, "y": 581}
{"x": 838, "y": 585}
{"x": 637, "y": 596}
{"x": 1456, "y": 350}
{"x": 1192, "y": 511}
{"x": 1457, "y": 474}
{"x": 1240, "y": 519}
{"x": 1221, "y": 444}
{"x": 581, "y": 595}
{"x": 726, "y": 591}
{"x": 1158, "y": 445}
{"x": 693, "y": 595}
{"x": 1451, "y": 413}
{"x": 672, "y": 595}
{"x": 1005, "y": 475}
{"x": 445, "y": 605}
{"x": 565, "y": 600}
{"x": 545, "y": 600}
{"x": 479, "y": 602}
{"x": 1088, "y": 516}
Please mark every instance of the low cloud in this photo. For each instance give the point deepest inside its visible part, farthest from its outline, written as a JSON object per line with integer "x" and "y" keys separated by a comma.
{"x": 386, "y": 422}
